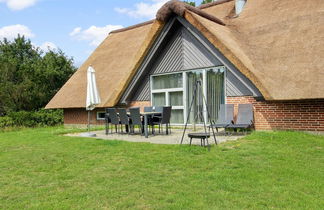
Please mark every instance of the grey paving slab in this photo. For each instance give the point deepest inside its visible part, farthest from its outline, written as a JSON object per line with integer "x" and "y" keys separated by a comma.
{"x": 173, "y": 138}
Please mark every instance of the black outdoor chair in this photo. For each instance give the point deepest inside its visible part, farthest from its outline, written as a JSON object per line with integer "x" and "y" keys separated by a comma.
{"x": 107, "y": 120}
{"x": 123, "y": 119}
{"x": 164, "y": 119}
{"x": 158, "y": 109}
{"x": 135, "y": 119}
{"x": 244, "y": 117}
{"x": 148, "y": 109}
{"x": 112, "y": 118}
{"x": 225, "y": 116}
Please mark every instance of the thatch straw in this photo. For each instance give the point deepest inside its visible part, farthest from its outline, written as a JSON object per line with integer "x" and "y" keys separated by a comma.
{"x": 179, "y": 8}
{"x": 132, "y": 27}
{"x": 211, "y": 4}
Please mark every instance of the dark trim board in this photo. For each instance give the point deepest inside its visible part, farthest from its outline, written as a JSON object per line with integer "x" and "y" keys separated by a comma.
{"x": 195, "y": 46}
{"x": 146, "y": 61}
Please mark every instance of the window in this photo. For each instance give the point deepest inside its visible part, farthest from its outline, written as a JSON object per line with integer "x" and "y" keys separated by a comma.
{"x": 167, "y": 90}
{"x": 158, "y": 99}
{"x": 101, "y": 115}
{"x": 167, "y": 81}
{"x": 176, "y": 90}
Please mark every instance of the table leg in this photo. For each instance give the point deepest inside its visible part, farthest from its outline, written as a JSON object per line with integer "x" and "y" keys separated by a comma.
{"x": 145, "y": 126}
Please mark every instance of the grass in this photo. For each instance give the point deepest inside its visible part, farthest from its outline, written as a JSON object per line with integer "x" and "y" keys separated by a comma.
{"x": 43, "y": 170}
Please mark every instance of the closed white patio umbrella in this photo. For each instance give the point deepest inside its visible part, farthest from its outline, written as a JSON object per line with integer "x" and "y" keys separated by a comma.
{"x": 93, "y": 97}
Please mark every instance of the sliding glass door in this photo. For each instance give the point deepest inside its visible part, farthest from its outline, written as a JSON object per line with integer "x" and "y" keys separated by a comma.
{"x": 215, "y": 91}
{"x": 197, "y": 111}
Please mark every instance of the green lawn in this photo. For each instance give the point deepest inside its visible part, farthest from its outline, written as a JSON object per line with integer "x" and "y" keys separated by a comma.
{"x": 44, "y": 170}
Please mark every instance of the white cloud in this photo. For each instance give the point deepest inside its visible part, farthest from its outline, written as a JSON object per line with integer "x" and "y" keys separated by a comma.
{"x": 94, "y": 34}
{"x": 46, "y": 46}
{"x": 12, "y": 31}
{"x": 142, "y": 9}
{"x": 18, "y": 4}
{"x": 75, "y": 31}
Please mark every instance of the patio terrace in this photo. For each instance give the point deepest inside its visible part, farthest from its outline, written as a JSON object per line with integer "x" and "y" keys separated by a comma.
{"x": 173, "y": 138}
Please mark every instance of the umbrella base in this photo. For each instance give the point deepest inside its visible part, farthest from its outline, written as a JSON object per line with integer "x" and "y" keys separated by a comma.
{"x": 88, "y": 135}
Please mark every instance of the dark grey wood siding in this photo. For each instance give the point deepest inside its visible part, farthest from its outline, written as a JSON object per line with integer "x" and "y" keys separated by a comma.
{"x": 183, "y": 51}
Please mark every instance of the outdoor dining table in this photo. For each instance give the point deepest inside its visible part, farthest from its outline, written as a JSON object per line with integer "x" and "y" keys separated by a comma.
{"x": 146, "y": 115}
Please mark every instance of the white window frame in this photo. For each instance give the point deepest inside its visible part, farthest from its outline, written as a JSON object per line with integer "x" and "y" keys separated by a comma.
{"x": 98, "y": 115}
{"x": 167, "y": 92}
{"x": 184, "y": 90}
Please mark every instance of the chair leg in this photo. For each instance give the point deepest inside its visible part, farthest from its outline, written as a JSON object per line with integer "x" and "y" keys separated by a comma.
{"x": 190, "y": 141}
{"x": 106, "y": 128}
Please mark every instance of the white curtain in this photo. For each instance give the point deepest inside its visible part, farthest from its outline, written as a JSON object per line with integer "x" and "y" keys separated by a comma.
{"x": 215, "y": 91}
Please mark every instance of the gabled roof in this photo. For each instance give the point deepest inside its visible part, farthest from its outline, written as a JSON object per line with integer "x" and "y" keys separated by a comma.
{"x": 115, "y": 61}
{"x": 278, "y": 45}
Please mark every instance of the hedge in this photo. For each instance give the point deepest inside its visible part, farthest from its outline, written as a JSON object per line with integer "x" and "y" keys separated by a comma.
{"x": 32, "y": 119}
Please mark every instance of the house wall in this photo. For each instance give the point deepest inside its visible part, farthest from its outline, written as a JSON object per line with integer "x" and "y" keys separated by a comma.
{"x": 305, "y": 115}
{"x": 140, "y": 104}
{"x": 78, "y": 116}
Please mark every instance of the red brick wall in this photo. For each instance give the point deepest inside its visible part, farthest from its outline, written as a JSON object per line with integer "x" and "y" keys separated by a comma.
{"x": 285, "y": 115}
{"x": 140, "y": 104}
{"x": 269, "y": 115}
{"x": 80, "y": 116}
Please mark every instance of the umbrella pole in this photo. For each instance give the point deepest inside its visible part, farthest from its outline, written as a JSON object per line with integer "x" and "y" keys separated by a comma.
{"x": 89, "y": 121}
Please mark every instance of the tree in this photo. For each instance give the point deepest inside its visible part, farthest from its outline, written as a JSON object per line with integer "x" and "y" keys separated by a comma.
{"x": 207, "y": 1}
{"x": 192, "y": 3}
{"x": 29, "y": 78}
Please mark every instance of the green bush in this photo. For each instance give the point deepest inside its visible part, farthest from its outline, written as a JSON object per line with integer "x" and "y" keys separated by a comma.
{"x": 32, "y": 119}
{"x": 6, "y": 122}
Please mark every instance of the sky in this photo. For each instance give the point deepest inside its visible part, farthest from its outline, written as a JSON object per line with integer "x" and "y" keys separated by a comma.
{"x": 76, "y": 27}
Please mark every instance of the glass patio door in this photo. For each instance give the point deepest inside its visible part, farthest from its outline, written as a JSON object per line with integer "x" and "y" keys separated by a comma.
{"x": 215, "y": 91}
{"x": 197, "y": 111}
{"x": 212, "y": 87}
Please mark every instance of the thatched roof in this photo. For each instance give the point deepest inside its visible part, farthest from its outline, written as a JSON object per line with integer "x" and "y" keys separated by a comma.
{"x": 115, "y": 61}
{"x": 278, "y": 45}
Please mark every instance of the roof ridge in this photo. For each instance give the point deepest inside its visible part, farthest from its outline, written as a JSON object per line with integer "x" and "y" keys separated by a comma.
{"x": 204, "y": 6}
{"x": 179, "y": 8}
{"x": 132, "y": 27}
